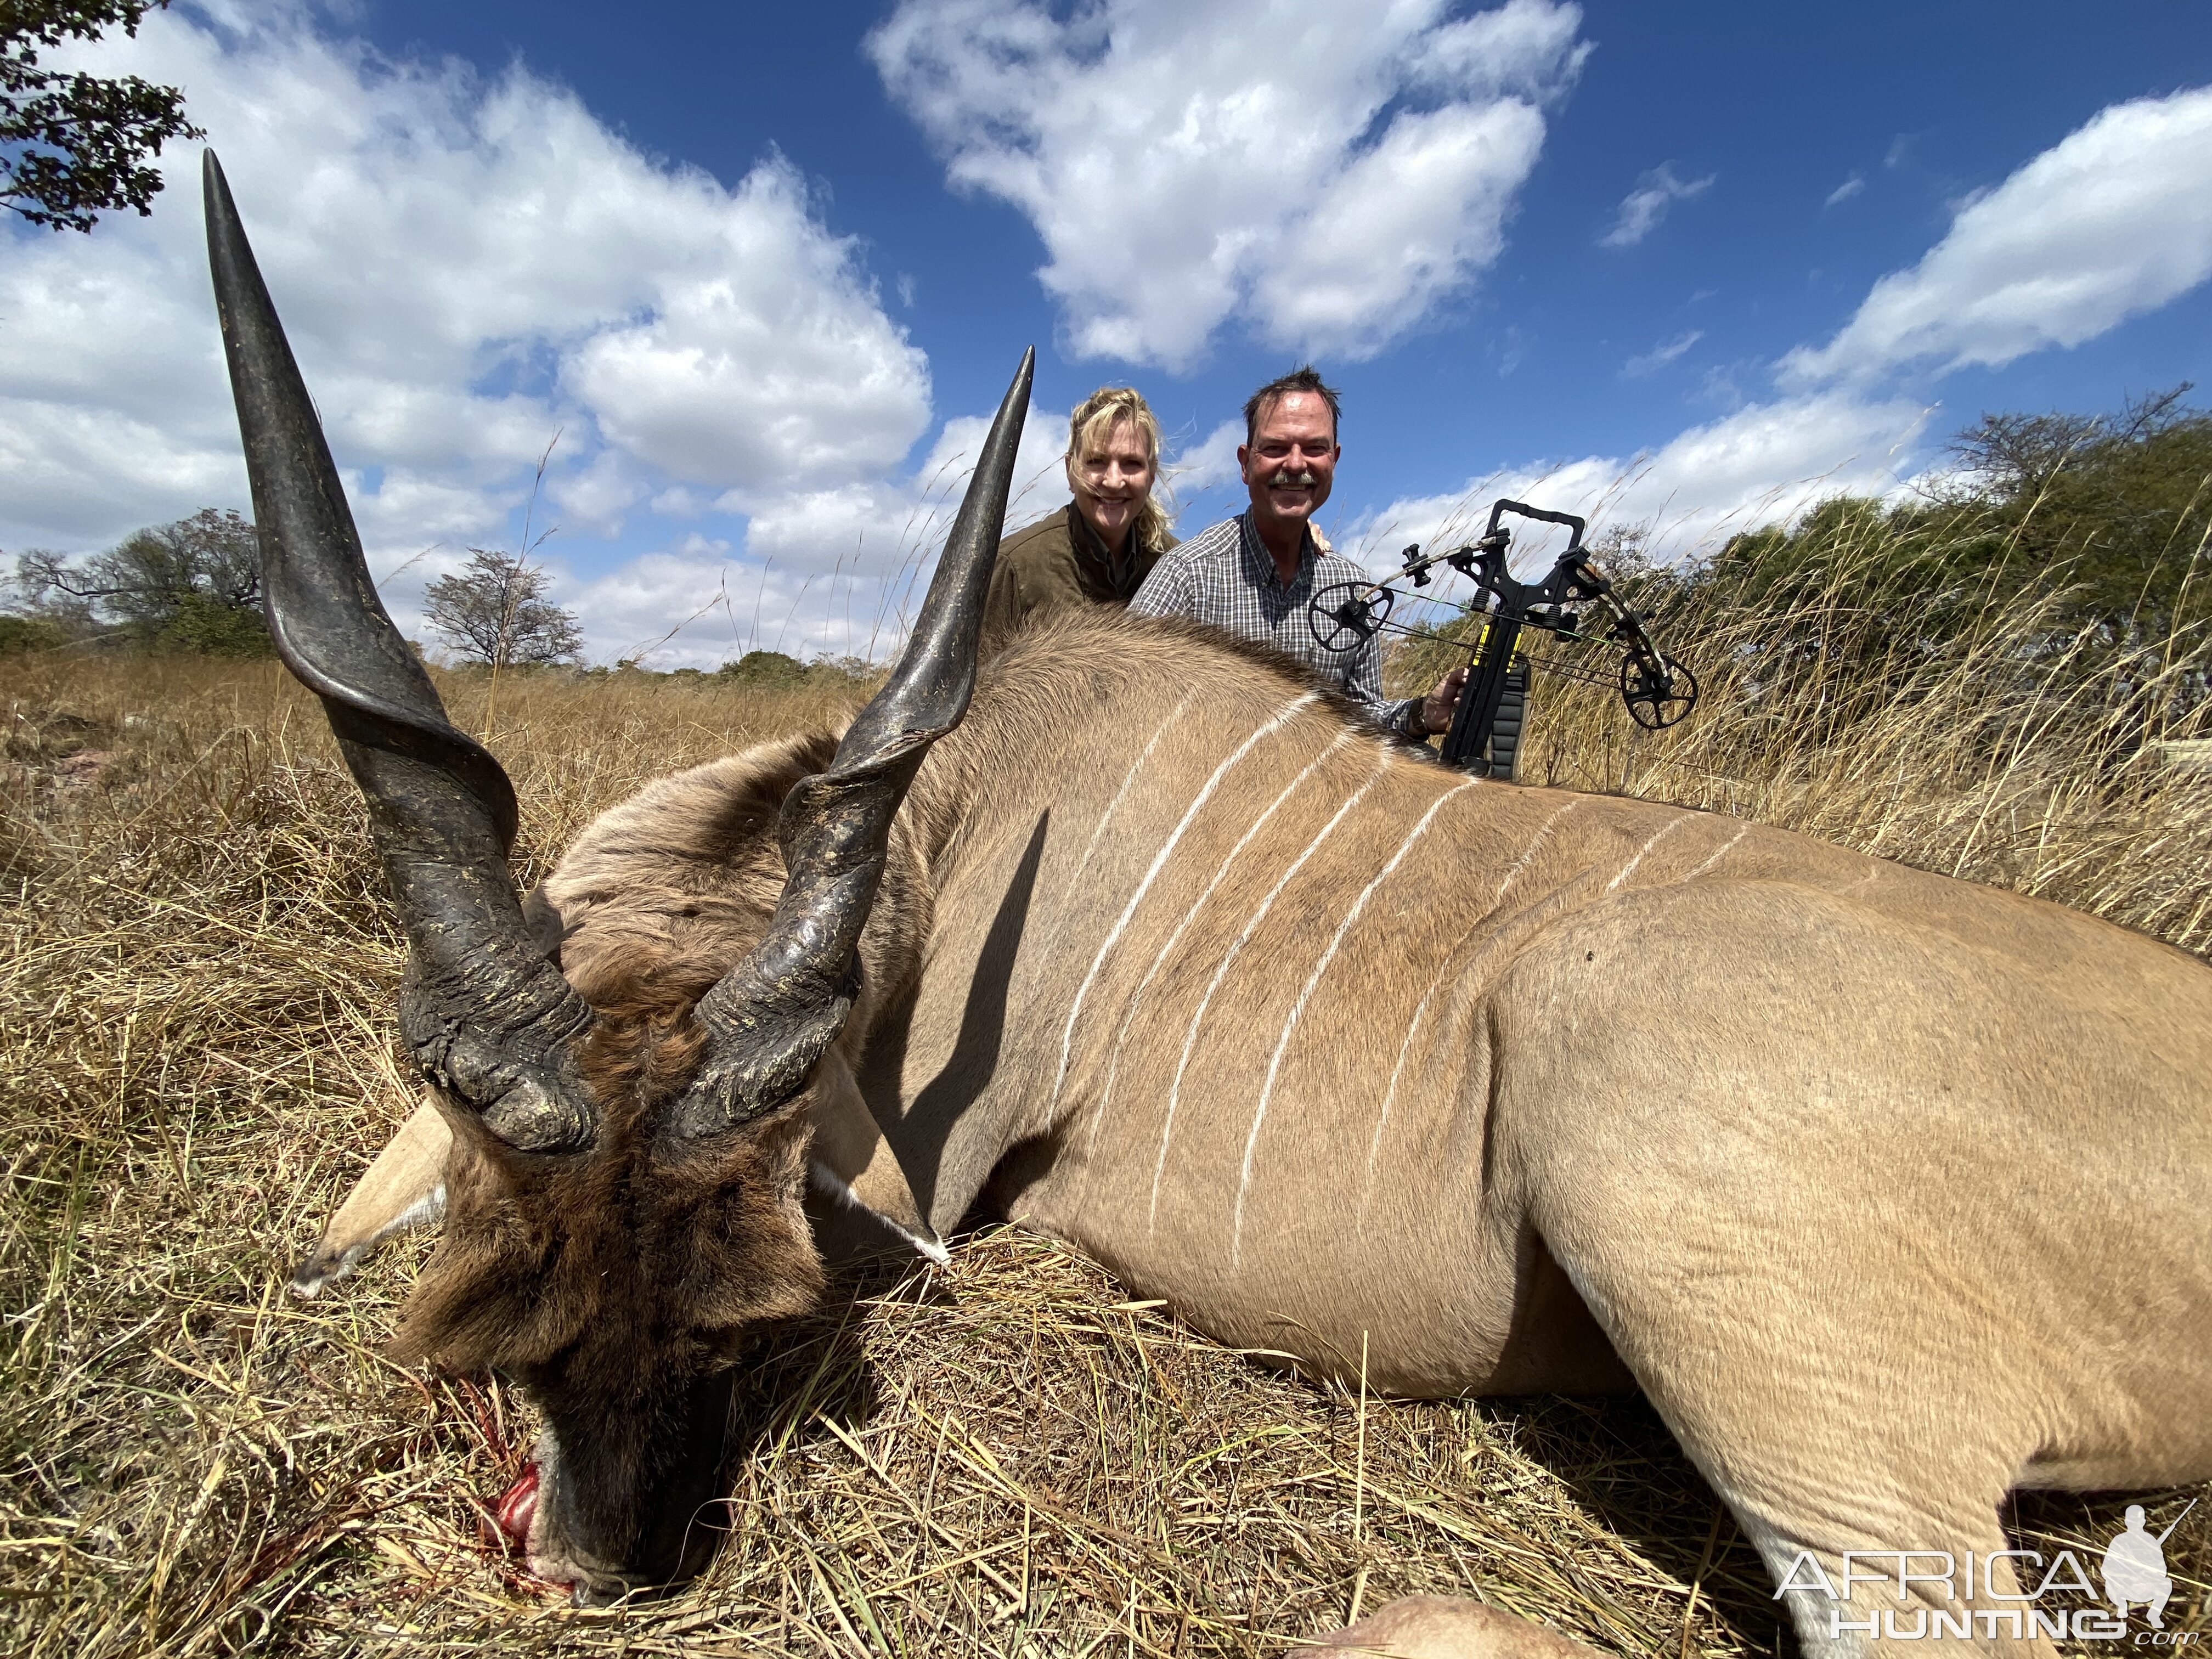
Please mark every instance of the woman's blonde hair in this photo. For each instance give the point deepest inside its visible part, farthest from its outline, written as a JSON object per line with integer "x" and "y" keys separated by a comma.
{"x": 1090, "y": 426}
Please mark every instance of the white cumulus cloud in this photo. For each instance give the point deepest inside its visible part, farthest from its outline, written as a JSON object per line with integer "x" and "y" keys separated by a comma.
{"x": 2112, "y": 222}
{"x": 1326, "y": 175}
{"x": 889, "y": 522}
{"x": 1762, "y": 464}
{"x": 1211, "y": 463}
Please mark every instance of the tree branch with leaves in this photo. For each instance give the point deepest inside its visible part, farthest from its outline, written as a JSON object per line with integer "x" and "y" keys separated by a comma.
{"x": 73, "y": 145}
{"x": 192, "y": 585}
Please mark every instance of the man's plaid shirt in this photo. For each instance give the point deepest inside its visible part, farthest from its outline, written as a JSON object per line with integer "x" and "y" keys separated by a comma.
{"x": 1224, "y": 575}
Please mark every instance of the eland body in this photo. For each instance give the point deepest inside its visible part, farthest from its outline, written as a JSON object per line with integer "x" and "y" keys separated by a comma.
{"x": 1886, "y": 1189}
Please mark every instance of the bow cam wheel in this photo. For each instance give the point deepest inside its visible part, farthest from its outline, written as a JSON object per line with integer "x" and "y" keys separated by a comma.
{"x": 1657, "y": 700}
{"x": 1345, "y": 615}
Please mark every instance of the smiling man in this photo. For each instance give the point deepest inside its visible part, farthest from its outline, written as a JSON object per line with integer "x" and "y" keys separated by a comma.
{"x": 1254, "y": 574}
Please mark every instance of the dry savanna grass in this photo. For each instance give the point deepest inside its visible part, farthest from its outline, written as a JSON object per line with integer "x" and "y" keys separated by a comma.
{"x": 1007, "y": 1458}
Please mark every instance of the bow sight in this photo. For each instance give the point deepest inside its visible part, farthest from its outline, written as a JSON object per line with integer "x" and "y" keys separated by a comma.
{"x": 1657, "y": 691}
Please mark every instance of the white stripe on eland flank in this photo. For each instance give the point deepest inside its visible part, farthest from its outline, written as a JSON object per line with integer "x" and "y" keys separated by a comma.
{"x": 1666, "y": 829}
{"x": 1182, "y": 926}
{"x": 1128, "y": 1017}
{"x": 1521, "y": 863}
{"x": 1716, "y": 857}
{"x": 1221, "y": 973}
{"x": 1297, "y": 1009}
{"x": 1107, "y": 816}
{"x": 1421, "y": 1009}
{"x": 1305, "y": 699}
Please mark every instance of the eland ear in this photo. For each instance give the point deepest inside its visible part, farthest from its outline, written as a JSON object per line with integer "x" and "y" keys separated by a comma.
{"x": 404, "y": 1187}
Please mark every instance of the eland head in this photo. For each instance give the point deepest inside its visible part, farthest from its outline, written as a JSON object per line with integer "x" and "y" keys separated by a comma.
{"x": 623, "y": 1196}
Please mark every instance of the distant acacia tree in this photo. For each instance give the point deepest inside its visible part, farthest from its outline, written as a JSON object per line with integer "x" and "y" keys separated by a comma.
{"x": 494, "y": 612}
{"x": 192, "y": 585}
{"x": 74, "y": 145}
{"x": 2016, "y": 458}
{"x": 766, "y": 669}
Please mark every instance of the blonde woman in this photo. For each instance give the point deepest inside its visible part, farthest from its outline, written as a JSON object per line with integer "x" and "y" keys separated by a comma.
{"x": 1099, "y": 549}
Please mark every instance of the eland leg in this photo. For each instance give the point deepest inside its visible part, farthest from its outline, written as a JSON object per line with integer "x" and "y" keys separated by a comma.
{"x": 1872, "y": 1284}
{"x": 1863, "y": 1459}
{"x": 1866, "y": 1466}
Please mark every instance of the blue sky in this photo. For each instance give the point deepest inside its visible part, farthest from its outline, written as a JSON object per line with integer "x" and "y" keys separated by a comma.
{"x": 765, "y": 268}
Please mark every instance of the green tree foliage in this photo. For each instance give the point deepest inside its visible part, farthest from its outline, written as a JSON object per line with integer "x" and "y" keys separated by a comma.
{"x": 192, "y": 585}
{"x": 25, "y": 634}
{"x": 770, "y": 670}
{"x": 209, "y": 628}
{"x": 494, "y": 612}
{"x": 2123, "y": 503}
{"x": 74, "y": 145}
{"x": 2109, "y": 514}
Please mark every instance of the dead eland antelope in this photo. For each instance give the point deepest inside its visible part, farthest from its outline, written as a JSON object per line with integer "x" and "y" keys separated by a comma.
{"x": 1886, "y": 1188}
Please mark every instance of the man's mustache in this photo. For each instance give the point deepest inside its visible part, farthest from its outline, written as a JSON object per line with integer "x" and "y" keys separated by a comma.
{"x": 1302, "y": 480}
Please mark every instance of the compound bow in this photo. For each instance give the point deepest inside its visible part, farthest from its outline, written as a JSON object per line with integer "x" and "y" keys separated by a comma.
{"x": 1658, "y": 690}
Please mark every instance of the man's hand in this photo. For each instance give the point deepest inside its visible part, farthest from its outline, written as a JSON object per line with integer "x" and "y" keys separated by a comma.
{"x": 1437, "y": 707}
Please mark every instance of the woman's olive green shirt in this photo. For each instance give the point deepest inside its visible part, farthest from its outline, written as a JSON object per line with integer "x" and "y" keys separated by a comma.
{"x": 1058, "y": 561}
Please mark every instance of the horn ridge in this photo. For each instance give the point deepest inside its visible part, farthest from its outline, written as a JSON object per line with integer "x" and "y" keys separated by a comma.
{"x": 773, "y": 1015}
{"x": 488, "y": 1018}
